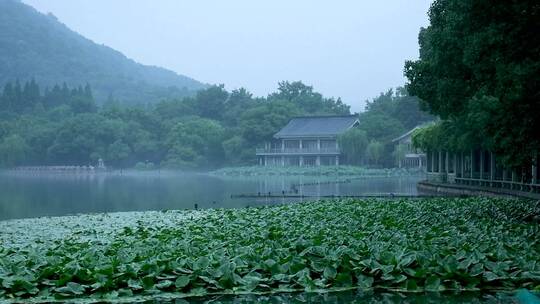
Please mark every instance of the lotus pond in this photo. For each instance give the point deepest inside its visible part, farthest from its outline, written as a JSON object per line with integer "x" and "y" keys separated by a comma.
{"x": 367, "y": 246}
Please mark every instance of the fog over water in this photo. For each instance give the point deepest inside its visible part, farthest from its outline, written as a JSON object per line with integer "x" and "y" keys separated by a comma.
{"x": 349, "y": 49}
{"x": 27, "y": 195}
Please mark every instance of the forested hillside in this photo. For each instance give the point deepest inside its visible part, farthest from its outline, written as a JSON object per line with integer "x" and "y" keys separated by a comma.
{"x": 37, "y": 46}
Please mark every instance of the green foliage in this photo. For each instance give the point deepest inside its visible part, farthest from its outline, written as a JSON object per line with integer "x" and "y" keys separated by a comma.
{"x": 39, "y": 46}
{"x": 305, "y": 98}
{"x": 144, "y": 166}
{"x": 13, "y": 150}
{"x": 438, "y": 244}
{"x": 374, "y": 152}
{"x": 399, "y": 153}
{"x": 237, "y": 151}
{"x": 479, "y": 70}
{"x": 353, "y": 145}
{"x": 117, "y": 153}
{"x": 64, "y": 126}
{"x": 210, "y": 103}
{"x": 196, "y": 141}
{"x": 388, "y": 116}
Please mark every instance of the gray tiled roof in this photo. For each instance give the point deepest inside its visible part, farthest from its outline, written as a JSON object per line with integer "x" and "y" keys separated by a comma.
{"x": 317, "y": 126}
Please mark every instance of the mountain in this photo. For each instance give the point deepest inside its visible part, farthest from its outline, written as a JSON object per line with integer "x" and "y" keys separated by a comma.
{"x": 38, "y": 46}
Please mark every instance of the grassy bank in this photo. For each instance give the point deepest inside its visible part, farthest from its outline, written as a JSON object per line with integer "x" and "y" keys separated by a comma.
{"x": 321, "y": 170}
{"x": 408, "y": 245}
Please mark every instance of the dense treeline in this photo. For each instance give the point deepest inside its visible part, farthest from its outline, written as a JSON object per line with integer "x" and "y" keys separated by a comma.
{"x": 479, "y": 70}
{"x": 386, "y": 117}
{"x": 63, "y": 125}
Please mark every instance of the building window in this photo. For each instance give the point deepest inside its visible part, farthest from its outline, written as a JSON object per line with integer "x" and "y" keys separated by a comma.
{"x": 292, "y": 144}
{"x": 328, "y": 144}
{"x": 328, "y": 160}
{"x": 310, "y": 160}
{"x": 292, "y": 161}
{"x": 309, "y": 144}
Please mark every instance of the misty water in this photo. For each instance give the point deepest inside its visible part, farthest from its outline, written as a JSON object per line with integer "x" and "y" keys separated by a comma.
{"x": 26, "y": 195}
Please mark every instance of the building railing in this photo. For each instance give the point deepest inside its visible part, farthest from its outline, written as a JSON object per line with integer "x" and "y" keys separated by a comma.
{"x": 498, "y": 183}
{"x": 476, "y": 180}
{"x": 298, "y": 151}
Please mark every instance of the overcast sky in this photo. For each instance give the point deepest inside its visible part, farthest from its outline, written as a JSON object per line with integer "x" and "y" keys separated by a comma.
{"x": 353, "y": 49}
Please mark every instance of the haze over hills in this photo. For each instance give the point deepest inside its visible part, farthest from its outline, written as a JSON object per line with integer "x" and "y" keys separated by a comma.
{"x": 34, "y": 45}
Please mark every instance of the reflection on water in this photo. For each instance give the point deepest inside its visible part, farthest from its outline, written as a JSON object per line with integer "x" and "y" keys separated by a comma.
{"x": 356, "y": 297}
{"x": 23, "y": 195}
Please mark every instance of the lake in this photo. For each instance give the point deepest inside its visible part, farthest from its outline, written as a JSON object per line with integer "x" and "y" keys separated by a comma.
{"x": 23, "y": 195}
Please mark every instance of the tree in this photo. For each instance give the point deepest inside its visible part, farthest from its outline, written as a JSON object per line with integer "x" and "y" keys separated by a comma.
{"x": 308, "y": 100}
{"x": 117, "y": 153}
{"x": 239, "y": 101}
{"x": 13, "y": 150}
{"x": 479, "y": 69}
{"x": 374, "y": 152}
{"x": 353, "y": 145}
{"x": 210, "y": 103}
{"x": 260, "y": 123}
{"x": 236, "y": 150}
{"x": 399, "y": 153}
{"x": 197, "y": 141}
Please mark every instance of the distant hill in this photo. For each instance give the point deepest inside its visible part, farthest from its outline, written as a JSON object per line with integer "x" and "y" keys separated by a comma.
{"x": 34, "y": 45}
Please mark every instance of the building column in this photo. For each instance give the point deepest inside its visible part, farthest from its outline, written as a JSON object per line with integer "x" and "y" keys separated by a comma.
{"x": 420, "y": 162}
{"x": 318, "y": 144}
{"x": 446, "y": 162}
{"x": 440, "y": 162}
{"x": 432, "y": 161}
{"x": 472, "y": 164}
{"x": 337, "y": 160}
{"x": 454, "y": 165}
{"x": 300, "y": 144}
{"x": 283, "y": 161}
{"x": 265, "y": 160}
{"x": 492, "y": 167}
{"x": 462, "y": 164}
{"x": 318, "y": 160}
{"x": 534, "y": 175}
{"x": 482, "y": 156}
{"x": 301, "y": 160}
{"x": 282, "y": 145}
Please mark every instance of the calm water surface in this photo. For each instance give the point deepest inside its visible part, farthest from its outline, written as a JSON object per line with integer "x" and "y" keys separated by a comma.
{"x": 27, "y": 195}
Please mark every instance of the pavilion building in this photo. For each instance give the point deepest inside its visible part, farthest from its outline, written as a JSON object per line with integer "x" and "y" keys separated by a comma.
{"x": 307, "y": 141}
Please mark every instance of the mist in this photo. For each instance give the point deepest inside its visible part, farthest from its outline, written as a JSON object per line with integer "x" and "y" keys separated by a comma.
{"x": 348, "y": 49}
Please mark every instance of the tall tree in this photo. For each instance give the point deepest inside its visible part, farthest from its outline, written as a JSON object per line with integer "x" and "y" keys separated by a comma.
{"x": 353, "y": 145}
{"x": 210, "y": 103}
{"x": 479, "y": 69}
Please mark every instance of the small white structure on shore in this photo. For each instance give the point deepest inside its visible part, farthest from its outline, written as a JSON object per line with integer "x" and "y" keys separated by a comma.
{"x": 101, "y": 164}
